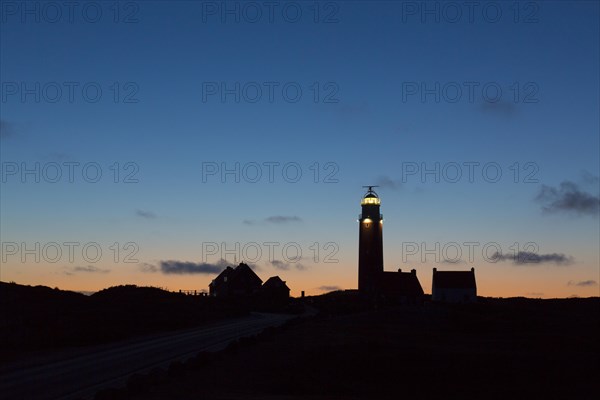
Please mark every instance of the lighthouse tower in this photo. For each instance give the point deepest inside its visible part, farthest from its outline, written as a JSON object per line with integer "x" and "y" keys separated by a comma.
{"x": 370, "y": 243}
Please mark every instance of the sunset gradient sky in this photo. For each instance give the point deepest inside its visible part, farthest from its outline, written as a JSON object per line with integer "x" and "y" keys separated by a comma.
{"x": 481, "y": 127}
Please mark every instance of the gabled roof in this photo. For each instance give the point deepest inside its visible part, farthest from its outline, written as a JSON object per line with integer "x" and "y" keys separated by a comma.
{"x": 221, "y": 277}
{"x": 401, "y": 283}
{"x": 454, "y": 279}
{"x": 245, "y": 273}
{"x": 242, "y": 274}
{"x": 275, "y": 282}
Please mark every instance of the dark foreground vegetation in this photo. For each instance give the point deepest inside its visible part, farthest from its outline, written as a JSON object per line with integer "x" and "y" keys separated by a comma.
{"x": 41, "y": 318}
{"x": 496, "y": 349}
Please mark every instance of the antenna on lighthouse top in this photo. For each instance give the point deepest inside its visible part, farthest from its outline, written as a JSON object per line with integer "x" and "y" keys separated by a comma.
{"x": 371, "y": 189}
{"x": 371, "y": 198}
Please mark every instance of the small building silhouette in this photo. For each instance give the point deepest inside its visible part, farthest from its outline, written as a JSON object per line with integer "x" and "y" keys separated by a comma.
{"x": 275, "y": 291}
{"x": 275, "y": 288}
{"x": 242, "y": 282}
{"x": 454, "y": 286}
{"x": 402, "y": 286}
{"x": 235, "y": 282}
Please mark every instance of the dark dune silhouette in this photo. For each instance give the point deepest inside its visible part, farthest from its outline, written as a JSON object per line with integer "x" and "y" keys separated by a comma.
{"x": 38, "y": 317}
{"x": 495, "y": 349}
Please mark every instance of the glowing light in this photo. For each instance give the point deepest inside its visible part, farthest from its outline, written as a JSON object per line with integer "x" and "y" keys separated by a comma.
{"x": 370, "y": 201}
{"x": 367, "y": 220}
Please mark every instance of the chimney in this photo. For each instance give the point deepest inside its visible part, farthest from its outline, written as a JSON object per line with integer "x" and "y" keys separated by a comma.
{"x": 473, "y": 269}
{"x": 399, "y": 269}
{"x": 413, "y": 271}
{"x": 434, "y": 270}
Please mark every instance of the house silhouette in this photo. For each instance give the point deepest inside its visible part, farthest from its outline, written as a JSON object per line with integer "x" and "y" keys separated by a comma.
{"x": 242, "y": 281}
{"x": 404, "y": 286}
{"x": 235, "y": 282}
{"x": 274, "y": 290}
{"x": 454, "y": 286}
{"x": 275, "y": 286}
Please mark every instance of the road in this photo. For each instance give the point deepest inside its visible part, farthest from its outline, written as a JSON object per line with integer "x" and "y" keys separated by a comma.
{"x": 81, "y": 374}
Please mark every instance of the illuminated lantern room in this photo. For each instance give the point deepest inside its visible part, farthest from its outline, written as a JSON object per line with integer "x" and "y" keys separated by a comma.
{"x": 370, "y": 199}
{"x": 370, "y": 206}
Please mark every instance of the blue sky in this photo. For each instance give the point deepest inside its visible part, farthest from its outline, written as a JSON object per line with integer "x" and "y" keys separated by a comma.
{"x": 363, "y": 59}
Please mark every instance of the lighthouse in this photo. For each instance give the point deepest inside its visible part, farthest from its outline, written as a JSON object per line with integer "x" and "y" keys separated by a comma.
{"x": 370, "y": 243}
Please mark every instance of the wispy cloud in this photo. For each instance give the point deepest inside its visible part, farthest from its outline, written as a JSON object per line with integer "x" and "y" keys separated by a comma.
{"x": 274, "y": 220}
{"x": 583, "y": 283}
{"x": 534, "y": 294}
{"x": 145, "y": 267}
{"x": 170, "y": 267}
{"x": 459, "y": 261}
{"x": 145, "y": 214}
{"x": 6, "y": 129}
{"x": 589, "y": 179}
{"x": 501, "y": 108}
{"x": 60, "y": 156}
{"x": 349, "y": 110}
{"x": 569, "y": 198}
{"x": 278, "y": 264}
{"x": 282, "y": 219}
{"x": 327, "y": 288}
{"x": 529, "y": 258}
{"x": 187, "y": 267}
{"x": 90, "y": 269}
{"x": 386, "y": 182}
{"x": 285, "y": 266}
